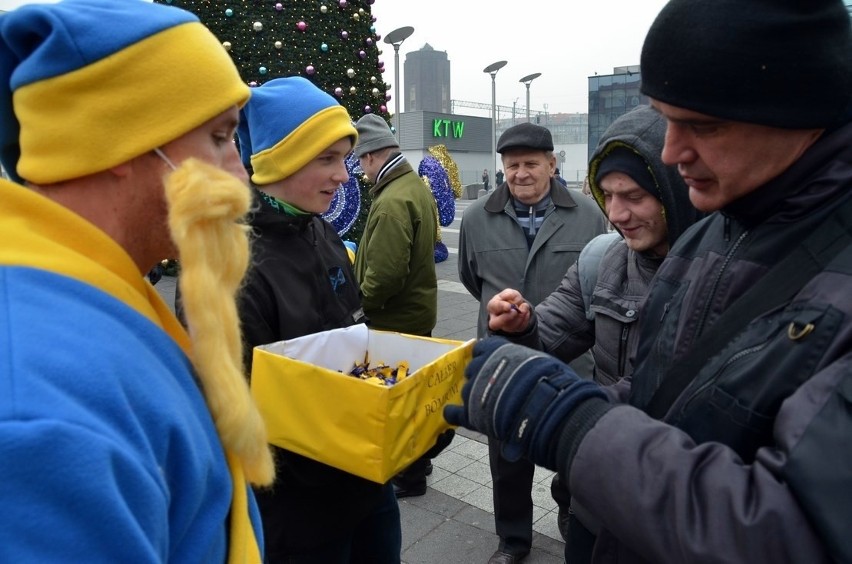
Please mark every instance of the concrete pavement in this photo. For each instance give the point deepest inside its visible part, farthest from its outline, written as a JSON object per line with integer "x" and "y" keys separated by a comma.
{"x": 454, "y": 522}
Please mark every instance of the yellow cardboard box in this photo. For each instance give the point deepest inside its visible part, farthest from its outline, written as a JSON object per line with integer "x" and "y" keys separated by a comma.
{"x": 314, "y": 408}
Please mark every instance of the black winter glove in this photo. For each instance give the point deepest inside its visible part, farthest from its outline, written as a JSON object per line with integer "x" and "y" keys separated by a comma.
{"x": 520, "y": 397}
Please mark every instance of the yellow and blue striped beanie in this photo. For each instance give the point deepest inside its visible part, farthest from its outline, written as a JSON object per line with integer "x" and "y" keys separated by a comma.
{"x": 90, "y": 84}
{"x": 287, "y": 123}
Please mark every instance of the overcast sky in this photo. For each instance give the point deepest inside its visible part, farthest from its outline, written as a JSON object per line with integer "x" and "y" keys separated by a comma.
{"x": 565, "y": 41}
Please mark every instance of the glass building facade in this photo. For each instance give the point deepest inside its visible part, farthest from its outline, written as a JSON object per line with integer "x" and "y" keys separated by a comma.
{"x": 611, "y": 96}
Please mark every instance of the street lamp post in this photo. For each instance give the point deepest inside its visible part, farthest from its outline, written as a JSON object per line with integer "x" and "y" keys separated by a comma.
{"x": 527, "y": 80}
{"x": 395, "y": 38}
{"x": 492, "y": 70}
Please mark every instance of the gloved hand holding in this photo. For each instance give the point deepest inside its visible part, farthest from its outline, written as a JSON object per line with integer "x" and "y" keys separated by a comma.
{"x": 521, "y": 397}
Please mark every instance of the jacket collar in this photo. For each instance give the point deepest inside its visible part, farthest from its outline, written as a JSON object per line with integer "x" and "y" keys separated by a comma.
{"x": 559, "y": 195}
{"x": 391, "y": 175}
{"x": 818, "y": 174}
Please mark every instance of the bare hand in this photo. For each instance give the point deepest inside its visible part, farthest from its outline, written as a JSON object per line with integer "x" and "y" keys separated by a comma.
{"x": 509, "y": 312}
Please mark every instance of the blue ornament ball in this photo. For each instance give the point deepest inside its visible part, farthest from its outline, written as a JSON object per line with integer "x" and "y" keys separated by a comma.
{"x": 346, "y": 205}
{"x": 439, "y": 182}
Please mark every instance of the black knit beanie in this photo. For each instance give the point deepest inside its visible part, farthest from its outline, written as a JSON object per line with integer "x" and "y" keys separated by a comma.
{"x": 626, "y": 161}
{"x": 781, "y": 63}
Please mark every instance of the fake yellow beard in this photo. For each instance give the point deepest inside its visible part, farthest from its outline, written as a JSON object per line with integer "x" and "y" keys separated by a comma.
{"x": 206, "y": 205}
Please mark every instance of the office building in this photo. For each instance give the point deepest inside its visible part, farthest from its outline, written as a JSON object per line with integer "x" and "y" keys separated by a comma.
{"x": 427, "y": 81}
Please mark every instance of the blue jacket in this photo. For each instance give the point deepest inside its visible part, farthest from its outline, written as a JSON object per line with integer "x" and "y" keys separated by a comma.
{"x": 107, "y": 450}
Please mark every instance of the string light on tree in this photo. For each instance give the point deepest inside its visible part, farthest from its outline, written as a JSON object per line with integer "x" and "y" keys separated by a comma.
{"x": 337, "y": 36}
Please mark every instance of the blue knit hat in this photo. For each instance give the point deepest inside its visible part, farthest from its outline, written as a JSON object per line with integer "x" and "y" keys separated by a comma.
{"x": 286, "y": 124}
{"x": 89, "y": 84}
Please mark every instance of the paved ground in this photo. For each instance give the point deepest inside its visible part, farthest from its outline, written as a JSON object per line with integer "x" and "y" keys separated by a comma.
{"x": 454, "y": 522}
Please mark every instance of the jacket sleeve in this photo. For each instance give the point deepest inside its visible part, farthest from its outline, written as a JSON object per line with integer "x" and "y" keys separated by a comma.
{"x": 797, "y": 492}
{"x": 561, "y": 323}
{"x": 72, "y": 494}
{"x": 468, "y": 269}
{"x": 256, "y": 307}
{"x": 387, "y": 258}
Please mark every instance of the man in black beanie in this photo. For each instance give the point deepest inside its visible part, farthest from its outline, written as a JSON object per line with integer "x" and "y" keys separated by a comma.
{"x": 735, "y": 428}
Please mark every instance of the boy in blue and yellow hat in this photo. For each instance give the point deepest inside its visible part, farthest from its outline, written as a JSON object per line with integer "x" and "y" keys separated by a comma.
{"x": 295, "y": 137}
{"x": 122, "y": 438}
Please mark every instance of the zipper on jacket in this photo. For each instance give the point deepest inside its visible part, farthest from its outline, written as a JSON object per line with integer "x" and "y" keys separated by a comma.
{"x": 622, "y": 350}
{"x": 727, "y": 229}
{"x": 710, "y": 381}
{"x": 716, "y": 280}
{"x": 532, "y": 221}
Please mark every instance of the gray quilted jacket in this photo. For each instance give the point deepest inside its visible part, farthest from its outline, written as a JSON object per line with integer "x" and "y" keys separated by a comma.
{"x": 560, "y": 325}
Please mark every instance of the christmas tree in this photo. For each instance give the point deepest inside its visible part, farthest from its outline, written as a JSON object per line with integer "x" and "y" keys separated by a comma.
{"x": 332, "y": 43}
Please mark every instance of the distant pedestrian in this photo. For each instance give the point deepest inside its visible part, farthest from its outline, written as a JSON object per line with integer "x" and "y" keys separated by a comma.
{"x": 558, "y": 176}
{"x": 498, "y": 178}
{"x": 485, "y": 179}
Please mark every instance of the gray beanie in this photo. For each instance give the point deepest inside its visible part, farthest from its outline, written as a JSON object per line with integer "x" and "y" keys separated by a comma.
{"x": 373, "y": 134}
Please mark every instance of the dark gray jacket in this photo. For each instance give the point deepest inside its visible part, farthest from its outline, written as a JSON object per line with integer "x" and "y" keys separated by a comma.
{"x": 753, "y": 462}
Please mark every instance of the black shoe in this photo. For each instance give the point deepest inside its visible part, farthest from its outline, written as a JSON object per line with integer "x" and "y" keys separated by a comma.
{"x": 501, "y": 557}
{"x": 428, "y": 470}
{"x": 407, "y": 491}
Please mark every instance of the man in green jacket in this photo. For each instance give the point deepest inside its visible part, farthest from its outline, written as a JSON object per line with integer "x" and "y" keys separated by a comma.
{"x": 395, "y": 262}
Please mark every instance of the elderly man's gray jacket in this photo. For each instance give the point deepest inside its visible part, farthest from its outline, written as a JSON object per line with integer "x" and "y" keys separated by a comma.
{"x": 493, "y": 252}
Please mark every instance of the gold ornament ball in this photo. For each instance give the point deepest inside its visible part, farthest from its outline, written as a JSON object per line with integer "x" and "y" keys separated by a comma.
{"x": 373, "y": 79}
{"x": 278, "y": 45}
{"x": 227, "y": 45}
{"x": 350, "y": 73}
{"x": 257, "y": 26}
{"x": 376, "y": 92}
{"x": 353, "y": 90}
{"x": 323, "y": 8}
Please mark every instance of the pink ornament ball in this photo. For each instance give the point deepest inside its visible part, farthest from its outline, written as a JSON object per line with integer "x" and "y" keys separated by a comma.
{"x": 279, "y": 6}
{"x": 383, "y": 108}
{"x": 301, "y": 26}
{"x": 344, "y": 34}
{"x": 343, "y": 3}
{"x": 368, "y": 109}
{"x": 310, "y": 69}
{"x": 362, "y": 54}
{"x": 338, "y": 92}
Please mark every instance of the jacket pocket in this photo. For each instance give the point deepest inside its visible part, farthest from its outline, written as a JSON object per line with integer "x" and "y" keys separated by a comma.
{"x": 736, "y": 397}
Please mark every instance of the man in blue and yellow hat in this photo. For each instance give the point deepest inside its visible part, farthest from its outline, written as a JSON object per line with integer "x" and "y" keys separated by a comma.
{"x": 294, "y": 137}
{"x": 122, "y": 438}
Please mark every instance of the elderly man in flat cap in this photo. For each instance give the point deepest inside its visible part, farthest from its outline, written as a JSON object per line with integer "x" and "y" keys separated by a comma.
{"x": 525, "y": 235}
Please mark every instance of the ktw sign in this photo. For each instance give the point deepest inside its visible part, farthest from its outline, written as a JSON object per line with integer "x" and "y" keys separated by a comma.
{"x": 447, "y": 128}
